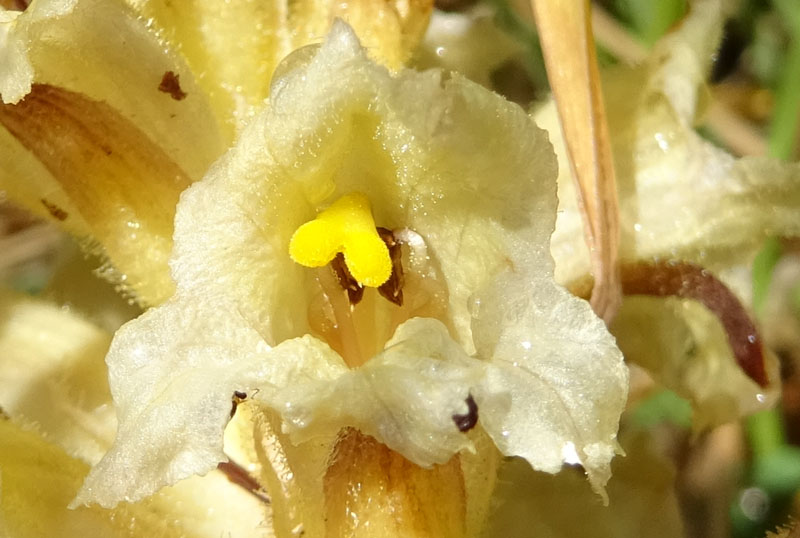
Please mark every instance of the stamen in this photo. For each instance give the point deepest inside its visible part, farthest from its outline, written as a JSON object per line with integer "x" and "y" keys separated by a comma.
{"x": 355, "y": 291}
{"x": 347, "y": 342}
{"x": 346, "y": 227}
{"x": 392, "y": 289}
{"x": 467, "y": 421}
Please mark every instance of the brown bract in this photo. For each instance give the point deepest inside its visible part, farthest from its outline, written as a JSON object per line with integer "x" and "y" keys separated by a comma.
{"x": 372, "y": 491}
{"x": 124, "y": 186}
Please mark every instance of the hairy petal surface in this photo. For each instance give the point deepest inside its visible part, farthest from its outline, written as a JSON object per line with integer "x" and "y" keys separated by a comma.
{"x": 464, "y": 170}
{"x": 58, "y": 418}
{"x": 237, "y": 45}
{"x": 173, "y": 393}
{"x": 564, "y": 374}
{"x": 405, "y": 396}
{"x": 428, "y": 152}
{"x": 98, "y": 145}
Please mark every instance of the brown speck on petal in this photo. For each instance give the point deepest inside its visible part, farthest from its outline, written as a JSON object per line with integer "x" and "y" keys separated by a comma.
{"x": 468, "y": 420}
{"x": 355, "y": 291}
{"x": 170, "y": 83}
{"x": 689, "y": 281}
{"x": 392, "y": 289}
{"x": 55, "y": 211}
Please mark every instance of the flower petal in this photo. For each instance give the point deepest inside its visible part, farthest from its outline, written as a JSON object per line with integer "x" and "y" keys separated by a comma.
{"x": 405, "y": 397}
{"x": 173, "y": 372}
{"x": 685, "y": 348}
{"x": 123, "y": 188}
{"x": 97, "y": 144}
{"x": 52, "y": 374}
{"x": 426, "y": 149}
{"x": 38, "y": 480}
{"x": 238, "y": 45}
{"x": 680, "y": 196}
{"x": 102, "y": 51}
{"x": 562, "y": 370}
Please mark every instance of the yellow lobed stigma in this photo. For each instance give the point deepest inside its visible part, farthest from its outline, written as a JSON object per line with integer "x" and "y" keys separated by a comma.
{"x": 347, "y": 227}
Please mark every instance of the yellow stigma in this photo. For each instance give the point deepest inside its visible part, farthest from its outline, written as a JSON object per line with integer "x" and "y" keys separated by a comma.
{"x": 347, "y": 227}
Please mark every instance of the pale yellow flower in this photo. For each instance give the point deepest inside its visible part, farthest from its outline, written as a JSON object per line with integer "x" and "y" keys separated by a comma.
{"x": 465, "y": 180}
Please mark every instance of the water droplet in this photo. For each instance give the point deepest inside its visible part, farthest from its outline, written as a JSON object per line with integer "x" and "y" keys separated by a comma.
{"x": 754, "y": 503}
{"x": 474, "y": 307}
{"x": 662, "y": 142}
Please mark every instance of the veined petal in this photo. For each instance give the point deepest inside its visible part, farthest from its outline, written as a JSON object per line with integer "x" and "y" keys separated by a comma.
{"x": 100, "y": 144}
{"x": 237, "y": 45}
{"x": 173, "y": 372}
{"x": 405, "y": 397}
{"x": 102, "y": 51}
{"x": 121, "y": 187}
{"x": 562, "y": 370}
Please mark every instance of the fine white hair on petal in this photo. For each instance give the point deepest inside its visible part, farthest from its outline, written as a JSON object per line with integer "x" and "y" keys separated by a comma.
{"x": 405, "y": 397}
{"x": 173, "y": 372}
{"x": 467, "y": 171}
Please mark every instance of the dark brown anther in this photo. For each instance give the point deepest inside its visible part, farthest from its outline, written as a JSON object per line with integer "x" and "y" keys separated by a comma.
{"x": 55, "y": 211}
{"x": 355, "y": 291}
{"x": 392, "y": 289}
{"x": 171, "y": 84}
{"x": 238, "y": 397}
{"x": 467, "y": 421}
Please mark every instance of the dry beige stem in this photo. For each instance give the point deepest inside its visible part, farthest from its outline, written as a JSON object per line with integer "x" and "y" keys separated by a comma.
{"x": 565, "y": 32}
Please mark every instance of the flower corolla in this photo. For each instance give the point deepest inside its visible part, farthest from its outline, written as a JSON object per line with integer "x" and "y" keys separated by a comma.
{"x": 465, "y": 183}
